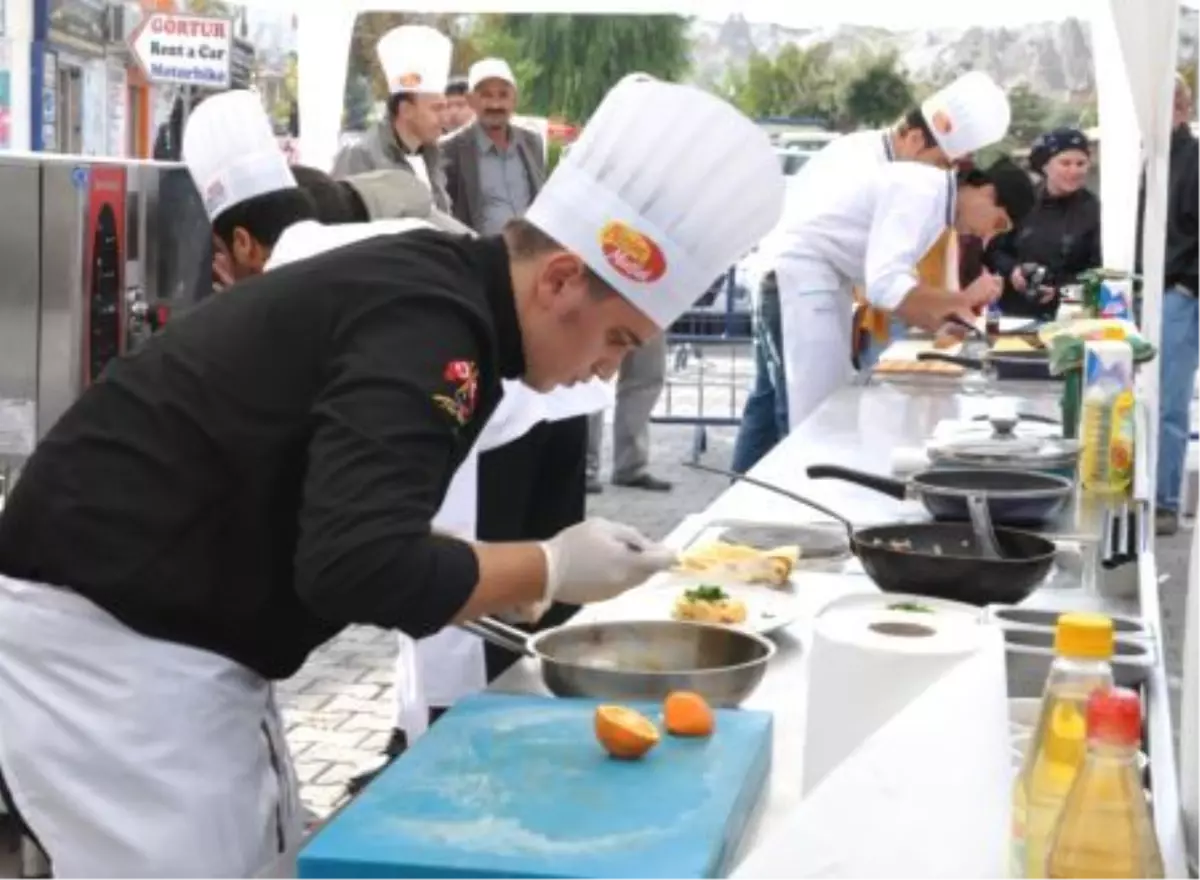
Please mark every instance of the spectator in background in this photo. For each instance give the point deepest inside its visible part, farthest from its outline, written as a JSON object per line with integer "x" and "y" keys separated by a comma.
{"x": 416, "y": 62}
{"x": 1061, "y": 233}
{"x": 457, "y": 112}
{"x": 1177, "y": 356}
{"x": 493, "y": 168}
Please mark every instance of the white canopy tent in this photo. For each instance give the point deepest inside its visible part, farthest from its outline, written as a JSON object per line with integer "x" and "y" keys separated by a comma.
{"x": 1134, "y": 45}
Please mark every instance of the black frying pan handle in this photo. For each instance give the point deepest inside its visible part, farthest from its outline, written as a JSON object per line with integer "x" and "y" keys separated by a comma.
{"x": 968, "y": 362}
{"x": 893, "y": 488}
{"x": 799, "y": 499}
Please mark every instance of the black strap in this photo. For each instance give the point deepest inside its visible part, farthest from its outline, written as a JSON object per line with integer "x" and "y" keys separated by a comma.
{"x": 887, "y": 146}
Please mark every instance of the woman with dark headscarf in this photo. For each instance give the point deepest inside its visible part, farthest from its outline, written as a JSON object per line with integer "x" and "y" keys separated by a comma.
{"x": 1061, "y": 233}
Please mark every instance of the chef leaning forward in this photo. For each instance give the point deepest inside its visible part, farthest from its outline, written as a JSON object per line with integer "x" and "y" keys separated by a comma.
{"x": 434, "y": 672}
{"x": 416, "y": 64}
{"x": 855, "y": 217}
{"x": 264, "y": 472}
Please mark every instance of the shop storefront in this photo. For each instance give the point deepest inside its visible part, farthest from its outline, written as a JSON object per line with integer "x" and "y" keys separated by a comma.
{"x": 79, "y": 83}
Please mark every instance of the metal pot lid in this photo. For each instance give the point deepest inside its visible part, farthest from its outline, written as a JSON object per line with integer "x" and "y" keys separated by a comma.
{"x": 1016, "y": 450}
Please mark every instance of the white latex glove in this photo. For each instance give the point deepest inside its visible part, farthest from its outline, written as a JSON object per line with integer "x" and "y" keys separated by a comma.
{"x": 597, "y": 560}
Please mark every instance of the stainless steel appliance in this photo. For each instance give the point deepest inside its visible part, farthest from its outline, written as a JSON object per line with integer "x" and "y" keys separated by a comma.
{"x": 95, "y": 254}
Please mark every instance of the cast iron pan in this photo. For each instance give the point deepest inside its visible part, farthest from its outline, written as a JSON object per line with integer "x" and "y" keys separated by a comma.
{"x": 941, "y": 560}
{"x": 1013, "y": 497}
{"x": 1035, "y": 366}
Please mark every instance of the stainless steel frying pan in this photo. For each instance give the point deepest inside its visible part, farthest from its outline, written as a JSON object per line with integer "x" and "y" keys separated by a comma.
{"x": 639, "y": 660}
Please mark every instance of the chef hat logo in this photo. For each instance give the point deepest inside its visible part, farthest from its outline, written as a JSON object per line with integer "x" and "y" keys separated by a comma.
{"x": 632, "y": 254}
{"x": 214, "y": 195}
{"x": 409, "y": 80}
{"x": 941, "y": 122}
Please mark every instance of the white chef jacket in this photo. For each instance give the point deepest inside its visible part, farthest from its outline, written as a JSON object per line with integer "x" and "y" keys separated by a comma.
{"x": 851, "y": 217}
{"x": 442, "y": 668}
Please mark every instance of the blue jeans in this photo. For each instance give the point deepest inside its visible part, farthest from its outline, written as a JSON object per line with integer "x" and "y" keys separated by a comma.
{"x": 897, "y": 329}
{"x": 765, "y": 417}
{"x": 1177, "y": 377}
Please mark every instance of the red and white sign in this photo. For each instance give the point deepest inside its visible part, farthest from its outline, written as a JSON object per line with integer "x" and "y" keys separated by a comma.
{"x": 188, "y": 50}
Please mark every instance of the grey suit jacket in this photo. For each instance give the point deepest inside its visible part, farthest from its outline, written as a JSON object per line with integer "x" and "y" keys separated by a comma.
{"x": 380, "y": 151}
{"x": 460, "y": 161}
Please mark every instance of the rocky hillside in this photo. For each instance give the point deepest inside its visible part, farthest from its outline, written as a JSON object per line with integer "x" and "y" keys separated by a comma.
{"x": 1053, "y": 58}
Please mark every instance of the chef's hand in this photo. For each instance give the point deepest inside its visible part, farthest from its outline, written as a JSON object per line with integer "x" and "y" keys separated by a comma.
{"x": 984, "y": 291}
{"x": 1018, "y": 280}
{"x": 530, "y": 612}
{"x": 597, "y": 560}
{"x": 1046, "y": 294}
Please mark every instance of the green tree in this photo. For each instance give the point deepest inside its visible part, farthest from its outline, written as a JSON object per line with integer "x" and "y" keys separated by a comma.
{"x": 797, "y": 83}
{"x": 566, "y": 63}
{"x": 877, "y": 94}
{"x": 359, "y": 103}
{"x": 1031, "y": 115}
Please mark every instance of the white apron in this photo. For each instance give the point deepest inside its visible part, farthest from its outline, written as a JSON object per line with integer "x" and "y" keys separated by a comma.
{"x": 443, "y": 668}
{"x": 193, "y": 738}
{"x": 817, "y": 323}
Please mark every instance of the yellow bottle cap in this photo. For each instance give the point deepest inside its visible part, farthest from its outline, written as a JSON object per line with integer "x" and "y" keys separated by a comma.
{"x": 1087, "y": 636}
{"x": 1113, "y": 333}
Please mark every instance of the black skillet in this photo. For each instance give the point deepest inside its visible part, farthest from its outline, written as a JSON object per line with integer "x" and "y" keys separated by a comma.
{"x": 940, "y": 560}
{"x": 1013, "y": 497}
{"x": 1017, "y": 367}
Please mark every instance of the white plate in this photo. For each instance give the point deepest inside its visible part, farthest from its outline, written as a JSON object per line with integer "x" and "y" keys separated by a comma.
{"x": 767, "y": 609}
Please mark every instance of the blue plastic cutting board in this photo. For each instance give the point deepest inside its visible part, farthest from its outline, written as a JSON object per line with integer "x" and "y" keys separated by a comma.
{"x": 511, "y": 786}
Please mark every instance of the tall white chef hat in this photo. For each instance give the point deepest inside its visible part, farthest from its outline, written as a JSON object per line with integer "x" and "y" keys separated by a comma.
{"x": 415, "y": 58}
{"x": 969, "y": 114}
{"x": 232, "y": 153}
{"x": 664, "y": 190}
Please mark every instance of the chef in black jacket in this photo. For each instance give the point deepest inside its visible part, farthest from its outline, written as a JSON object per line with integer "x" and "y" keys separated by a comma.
{"x": 263, "y": 473}
{"x": 1061, "y": 232}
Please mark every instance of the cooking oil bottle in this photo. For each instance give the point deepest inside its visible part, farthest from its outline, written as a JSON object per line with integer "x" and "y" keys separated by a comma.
{"x": 1106, "y": 416}
{"x": 1104, "y": 829}
{"x": 1083, "y": 647}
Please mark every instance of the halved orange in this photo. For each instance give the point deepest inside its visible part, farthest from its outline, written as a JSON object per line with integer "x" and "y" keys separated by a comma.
{"x": 624, "y": 733}
{"x": 688, "y": 714}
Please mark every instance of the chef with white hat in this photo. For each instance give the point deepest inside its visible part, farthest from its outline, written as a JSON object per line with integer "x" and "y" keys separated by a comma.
{"x": 852, "y": 207}
{"x": 416, "y": 64}
{"x": 244, "y": 180}
{"x": 265, "y": 472}
{"x": 435, "y": 672}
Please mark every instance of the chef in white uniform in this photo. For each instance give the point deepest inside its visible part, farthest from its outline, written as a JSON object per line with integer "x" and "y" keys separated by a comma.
{"x": 244, "y": 180}
{"x": 263, "y": 473}
{"x": 416, "y": 64}
{"x": 849, "y": 201}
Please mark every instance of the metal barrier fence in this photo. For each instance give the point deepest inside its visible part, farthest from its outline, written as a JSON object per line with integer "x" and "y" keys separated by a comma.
{"x": 710, "y": 364}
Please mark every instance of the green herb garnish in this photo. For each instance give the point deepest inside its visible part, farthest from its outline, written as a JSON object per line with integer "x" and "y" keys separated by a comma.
{"x": 706, "y": 593}
{"x": 911, "y": 606}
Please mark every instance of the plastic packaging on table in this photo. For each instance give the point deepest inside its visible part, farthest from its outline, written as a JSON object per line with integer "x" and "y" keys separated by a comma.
{"x": 1106, "y": 429}
{"x": 1083, "y": 644}
{"x": 1105, "y": 829}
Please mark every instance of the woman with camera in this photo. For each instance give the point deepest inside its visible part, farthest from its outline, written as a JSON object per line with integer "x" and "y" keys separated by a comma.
{"x": 1059, "y": 238}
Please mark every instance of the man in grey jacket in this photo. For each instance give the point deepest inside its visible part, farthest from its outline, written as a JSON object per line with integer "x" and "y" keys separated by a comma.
{"x": 416, "y": 61}
{"x": 493, "y": 168}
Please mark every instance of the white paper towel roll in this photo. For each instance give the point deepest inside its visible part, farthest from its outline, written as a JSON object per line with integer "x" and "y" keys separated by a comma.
{"x": 906, "y": 753}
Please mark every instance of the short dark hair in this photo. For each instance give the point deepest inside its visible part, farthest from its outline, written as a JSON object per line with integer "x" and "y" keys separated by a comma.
{"x": 526, "y": 241}
{"x": 358, "y": 212}
{"x": 330, "y": 198}
{"x": 914, "y": 120}
{"x": 265, "y": 217}
{"x": 394, "y": 102}
{"x": 456, "y": 86}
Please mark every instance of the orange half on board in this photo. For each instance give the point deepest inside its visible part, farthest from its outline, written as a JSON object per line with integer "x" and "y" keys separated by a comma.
{"x": 625, "y": 733}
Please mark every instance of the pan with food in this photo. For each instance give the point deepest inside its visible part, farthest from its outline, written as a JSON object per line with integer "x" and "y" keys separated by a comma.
{"x": 1014, "y": 497}
{"x": 942, "y": 560}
